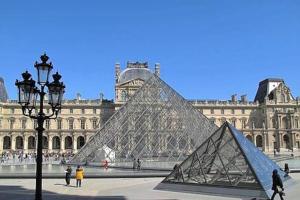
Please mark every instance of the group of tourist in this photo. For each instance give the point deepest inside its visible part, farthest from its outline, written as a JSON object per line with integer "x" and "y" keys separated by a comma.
{"x": 136, "y": 164}
{"x": 78, "y": 175}
{"x": 19, "y": 157}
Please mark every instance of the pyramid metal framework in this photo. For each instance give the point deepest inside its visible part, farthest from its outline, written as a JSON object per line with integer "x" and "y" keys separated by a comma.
{"x": 156, "y": 125}
{"x": 226, "y": 159}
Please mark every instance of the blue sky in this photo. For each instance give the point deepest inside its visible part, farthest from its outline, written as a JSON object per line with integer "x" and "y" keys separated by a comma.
{"x": 207, "y": 49}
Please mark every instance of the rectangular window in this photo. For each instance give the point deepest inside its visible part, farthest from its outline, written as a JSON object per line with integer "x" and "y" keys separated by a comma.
{"x": 47, "y": 124}
{"x": 232, "y": 111}
{"x": 12, "y": 111}
{"x": 82, "y": 111}
{"x": 71, "y": 123}
{"x": 82, "y": 124}
{"x": 94, "y": 124}
{"x": 243, "y": 111}
{"x": 59, "y": 124}
{"x": 212, "y": 111}
{"x": 95, "y": 111}
{"x": 222, "y": 111}
{"x": 23, "y": 124}
{"x": 11, "y": 124}
{"x": 71, "y": 110}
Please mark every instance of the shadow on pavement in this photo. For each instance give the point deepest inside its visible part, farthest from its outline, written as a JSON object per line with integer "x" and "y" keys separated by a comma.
{"x": 20, "y": 193}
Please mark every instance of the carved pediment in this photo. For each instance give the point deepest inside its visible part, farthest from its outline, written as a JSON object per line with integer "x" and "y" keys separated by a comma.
{"x": 282, "y": 93}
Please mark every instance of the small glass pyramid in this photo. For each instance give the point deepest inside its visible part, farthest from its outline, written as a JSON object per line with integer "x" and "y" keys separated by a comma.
{"x": 227, "y": 159}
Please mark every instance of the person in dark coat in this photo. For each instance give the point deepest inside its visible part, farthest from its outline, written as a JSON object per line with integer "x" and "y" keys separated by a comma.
{"x": 277, "y": 185}
{"x": 138, "y": 164}
{"x": 286, "y": 168}
{"x": 68, "y": 175}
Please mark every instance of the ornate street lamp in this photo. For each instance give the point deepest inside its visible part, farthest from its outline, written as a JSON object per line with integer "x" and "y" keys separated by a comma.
{"x": 27, "y": 96}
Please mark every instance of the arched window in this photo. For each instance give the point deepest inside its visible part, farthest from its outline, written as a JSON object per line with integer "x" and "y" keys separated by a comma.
{"x": 123, "y": 95}
{"x": 259, "y": 141}
{"x": 249, "y": 137}
{"x": 80, "y": 142}
{"x": 55, "y": 142}
{"x": 19, "y": 142}
{"x": 212, "y": 120}
{"x": 31, "y": 142}
{"x": 6, "y": 142}
{"x": 233, "y": 121}
{"x": 68, "y": 142}
{"x": 244, "y": 123}
{"x": 45, "y": 142}
{"x": 286, "y": 140}
{"x": 223, "y": 120}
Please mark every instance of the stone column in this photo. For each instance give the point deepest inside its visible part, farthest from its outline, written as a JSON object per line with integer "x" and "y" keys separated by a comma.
{"x": 254, "y": 138}
{"x": 13, "y": 142}
{"x": 50, "y": 137}
{"x": 280, "y": 140}
{"x": 74, "y": 143}
{"x": 25, "y": 144}
{"x": 1, "y": 144}
{"x": 62, "y": 144}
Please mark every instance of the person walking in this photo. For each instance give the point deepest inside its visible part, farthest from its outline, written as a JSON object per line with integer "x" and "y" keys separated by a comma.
{"x": 277, "y": 185}
{"x": 79, "y": 176}
{"x": 68, "y": 175}
{"x": 286, "y": 168}
{"x": 134, "y": 164}
{"x": 105, "y": 164}
{"x": 138, "y": 164}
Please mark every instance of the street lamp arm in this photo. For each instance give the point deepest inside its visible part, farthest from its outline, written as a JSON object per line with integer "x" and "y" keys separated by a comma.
{"x": 54, "y": 113}
{"x": 28, "y": 115}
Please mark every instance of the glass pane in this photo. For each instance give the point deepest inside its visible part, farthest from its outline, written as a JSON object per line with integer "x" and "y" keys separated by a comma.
{"x": 43, "y": 72}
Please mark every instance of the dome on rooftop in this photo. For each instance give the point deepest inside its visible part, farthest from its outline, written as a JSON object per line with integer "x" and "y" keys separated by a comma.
{"x": 134, "y": 73}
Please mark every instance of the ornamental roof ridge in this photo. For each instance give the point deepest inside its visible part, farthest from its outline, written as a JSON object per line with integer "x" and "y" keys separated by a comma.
{"x": 137, "y": 64}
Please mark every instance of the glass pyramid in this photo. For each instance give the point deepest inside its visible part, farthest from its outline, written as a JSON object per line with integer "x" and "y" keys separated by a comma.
{"x": 157, "y": 125}
{"x": 227, "y": 159}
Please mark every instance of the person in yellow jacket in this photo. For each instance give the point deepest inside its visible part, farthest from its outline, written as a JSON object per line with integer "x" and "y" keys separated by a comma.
{"x": 79, "y": 176}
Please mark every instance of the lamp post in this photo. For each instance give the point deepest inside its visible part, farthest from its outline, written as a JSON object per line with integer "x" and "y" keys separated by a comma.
{"x": 28, "y": 93}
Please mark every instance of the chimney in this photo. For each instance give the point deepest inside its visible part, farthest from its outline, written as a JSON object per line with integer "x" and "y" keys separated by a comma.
{"x": 233, "y": 98}
{"x": 3, "y": 93}
{"x": 101, "y": 96}
{"x": 244, "y": 98}
{"x": 157, "y": 69}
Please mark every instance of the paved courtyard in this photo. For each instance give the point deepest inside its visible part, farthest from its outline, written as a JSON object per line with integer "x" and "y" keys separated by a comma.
{"x": 109, "y": 188}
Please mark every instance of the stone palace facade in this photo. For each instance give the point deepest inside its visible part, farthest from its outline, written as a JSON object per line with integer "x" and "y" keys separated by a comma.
{"x": 271, "y": 121}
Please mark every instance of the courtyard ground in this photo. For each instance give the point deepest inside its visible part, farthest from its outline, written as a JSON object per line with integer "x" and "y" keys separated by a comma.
{"x": 109, "y": 188}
